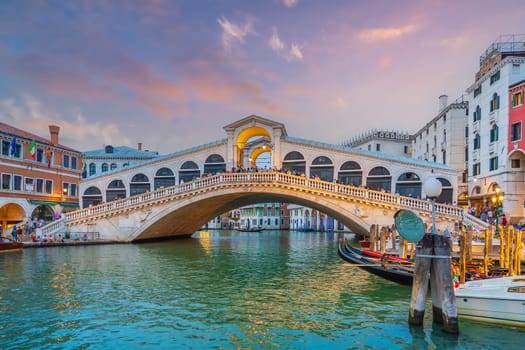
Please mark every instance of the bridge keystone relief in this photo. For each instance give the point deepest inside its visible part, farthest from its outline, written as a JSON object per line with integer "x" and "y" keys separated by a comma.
{"x": 176, "y": 194}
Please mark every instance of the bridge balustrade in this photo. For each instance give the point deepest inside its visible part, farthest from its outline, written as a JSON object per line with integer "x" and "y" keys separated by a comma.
{"x": 265, "y": 177}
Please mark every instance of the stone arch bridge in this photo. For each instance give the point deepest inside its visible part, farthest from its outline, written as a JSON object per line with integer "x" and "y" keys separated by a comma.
{"x": 182, "y": 209}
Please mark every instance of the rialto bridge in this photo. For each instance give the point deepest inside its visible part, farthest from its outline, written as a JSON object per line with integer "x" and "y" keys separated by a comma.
{"x": 176, "y": 194}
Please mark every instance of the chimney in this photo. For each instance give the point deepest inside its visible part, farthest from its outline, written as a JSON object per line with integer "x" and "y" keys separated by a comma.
{"x": 53, "y": 131}
{"x": 139, "y": 147}
{"x": 443, "y": 101}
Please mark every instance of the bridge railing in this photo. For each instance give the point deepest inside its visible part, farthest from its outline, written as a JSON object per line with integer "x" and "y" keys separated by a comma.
{"x": 265, "y": 177}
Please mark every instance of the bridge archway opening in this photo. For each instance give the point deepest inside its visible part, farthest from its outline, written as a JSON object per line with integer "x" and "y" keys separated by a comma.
{"x": 379, "y": 179}
{"x": 247, "y": 141}
{"x": 322, "y": 168}
{"x": 294, "y": 163}
{"x": 350, "y": 173}
{"x": 11, "y": 214}
{"x": 92, "y": 196}
{"x": 116, "y": 190}
{"x": 164, "y": 177}
{"x": 409, "y": 184}
{"x": 187, "y": 217}
{"x": 189, "y": 171}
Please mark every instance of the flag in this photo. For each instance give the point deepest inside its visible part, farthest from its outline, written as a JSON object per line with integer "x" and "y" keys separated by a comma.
{"x": 32, "y": 149}
{"x": 13, "y": 147}
{"x": 84, "y": 167}
{"x": 48, "y": 156}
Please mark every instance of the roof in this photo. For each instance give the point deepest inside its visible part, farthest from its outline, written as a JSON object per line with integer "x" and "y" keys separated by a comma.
{"x": 120, "y": 152}
{"x": 22, "y": 134}
{"x": 380, "y": 155}
{"x": 254, "y": 119}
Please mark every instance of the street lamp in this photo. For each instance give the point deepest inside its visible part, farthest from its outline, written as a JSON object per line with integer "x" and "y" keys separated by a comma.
{"x": 432, "y": 189}
{"x": 497, "y": 201}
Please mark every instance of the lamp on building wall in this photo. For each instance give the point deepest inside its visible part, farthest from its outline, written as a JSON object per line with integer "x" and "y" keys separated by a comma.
{"x": 433, "y": 189}
{"x": 497, "y": 201}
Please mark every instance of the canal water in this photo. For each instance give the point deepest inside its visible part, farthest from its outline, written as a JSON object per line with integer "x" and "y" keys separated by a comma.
{"x": 216, "y": 290}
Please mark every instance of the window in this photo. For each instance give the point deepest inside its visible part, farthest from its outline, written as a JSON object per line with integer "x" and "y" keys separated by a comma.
{"x": 92, "y": 169}
{"x": 29, "y": 184}
{"x": 494, "y": 133}
{"x": 515, "y": 132}
{"x": 466, "y": 154}
{"x": 17, "y": 183}
{"x": 369, "y": 147}
{"x": 517, "y": 99}
{"x": 475, "y": 169}
{"x": 73, "y": 190}
{"x": 5, "y": 148}
{"x": 6, "y": 181}
{"x": 477, "y": 114}
{"x": 494, "y": 103}
{"x": 65, "y": 161}
{"x": 49, "y": 186}
{"x": 73, "y": 162}
{"x": 40, "y": 155}
{"x": 444, "y": 157}
{"x": 493, "y": 163}
{"x": 113, "y": 166}
{"x": 40, "y": 185}
{"x": 104, "y": 167}
{"x": 405, "y": 149}
{"x": 477, "y": 91}
{"x": 494, "y": 78}
{"x": 515, "y": 163}
{"x": 477, "y": 141}
{"x": 378, "y": 147}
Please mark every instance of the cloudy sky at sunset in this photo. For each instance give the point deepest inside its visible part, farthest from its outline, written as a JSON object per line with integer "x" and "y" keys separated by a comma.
{"x": 171, "y": 74}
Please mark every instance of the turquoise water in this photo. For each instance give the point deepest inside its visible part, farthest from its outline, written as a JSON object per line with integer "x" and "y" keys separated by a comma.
{"x": 217, "y": 290}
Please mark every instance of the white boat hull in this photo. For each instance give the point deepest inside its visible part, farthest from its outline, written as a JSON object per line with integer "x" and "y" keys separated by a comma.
{"x": 496, "y": 300}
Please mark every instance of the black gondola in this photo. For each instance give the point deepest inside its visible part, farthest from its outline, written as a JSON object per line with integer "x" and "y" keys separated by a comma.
{"x": 402, "y": 273}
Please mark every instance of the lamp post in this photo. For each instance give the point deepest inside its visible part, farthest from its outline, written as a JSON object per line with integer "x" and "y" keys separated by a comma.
{"x": 497, "y": 201}
{"x": 432, "y": 189}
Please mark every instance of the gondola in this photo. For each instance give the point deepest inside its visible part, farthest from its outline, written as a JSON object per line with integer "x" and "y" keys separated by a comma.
{"x": 9, "y": 245}
{"x": 395, "y": 271}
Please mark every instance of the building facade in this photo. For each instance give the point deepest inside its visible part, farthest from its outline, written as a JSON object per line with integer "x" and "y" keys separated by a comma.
{"x": 39, "y": 177}
{"x": 494, "y": 165}
{"x": 443, "y": 140}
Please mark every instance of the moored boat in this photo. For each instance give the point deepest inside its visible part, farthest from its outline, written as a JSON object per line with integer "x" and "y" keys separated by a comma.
{"x": 8, "y": 245}
{"x": 394, "y": 271}
{"x": 495, "y": 300}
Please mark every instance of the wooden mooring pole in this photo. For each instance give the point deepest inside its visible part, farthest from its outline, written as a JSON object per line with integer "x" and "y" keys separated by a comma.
{"x": 433, "y": 262}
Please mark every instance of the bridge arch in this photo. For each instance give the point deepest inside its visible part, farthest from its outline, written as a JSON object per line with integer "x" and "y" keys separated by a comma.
{"x": 139, "y": 184}
{"x": 323, "y": 168}
{"x": 91, "y": 196}
{"x": 294, "y": 163}
{"x": 379, "y": 179}
{"x": 408, "y": 184}
{"x": 214, "y": 164}
{"x": 189, "y": 171}
{"x": 193, "y": 212}
{"x": 164, "y": 177}
{"x": 115, "y": 190}
{"x": 350, "y": 173}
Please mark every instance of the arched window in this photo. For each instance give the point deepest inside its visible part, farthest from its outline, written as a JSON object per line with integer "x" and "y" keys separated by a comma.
{"x": 92, "y": 169}
{"x": 104, "y": 167}
{"x": 322, "y": 167}
{"x": 214, "y": 164}
{"x": 294, "y": 163}
{"x": 350, "y": 174}
{"x": 446, "y": 192}
{"x": 494, "y": 133}
{"x": 189, "y": 171}
{"x": 139, "y": 184}
{"x": 494, "y": 103}
{"x": 477, "y": 113}
{"x": 164, "y": 178}
{"x": 92, "y": 196}
{"x": 409, "y": 184}
{"x": 115, "y": 190}
{"x": 379, "y": 179}
{"x": 477, "y": 141}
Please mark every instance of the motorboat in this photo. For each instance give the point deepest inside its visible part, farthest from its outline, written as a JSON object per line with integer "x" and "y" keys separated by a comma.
{"x": 496, "y": 300}
{"x": 9, "y": 245}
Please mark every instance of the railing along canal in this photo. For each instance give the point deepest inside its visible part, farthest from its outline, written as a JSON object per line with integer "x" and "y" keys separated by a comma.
{"x": 210, "y": 182}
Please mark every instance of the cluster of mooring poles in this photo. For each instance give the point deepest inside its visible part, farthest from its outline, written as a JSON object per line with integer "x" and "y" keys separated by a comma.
{"x": 432, "y": 266}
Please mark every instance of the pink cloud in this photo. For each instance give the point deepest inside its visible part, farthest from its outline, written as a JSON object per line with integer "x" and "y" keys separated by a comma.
{"x": 379, "y": 34}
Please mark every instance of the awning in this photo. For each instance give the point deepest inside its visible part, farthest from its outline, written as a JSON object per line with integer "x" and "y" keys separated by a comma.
{"x": 37, "y": 202}
{"x": 69, "y": 204}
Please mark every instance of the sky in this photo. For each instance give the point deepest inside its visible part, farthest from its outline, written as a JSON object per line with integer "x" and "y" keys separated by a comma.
{"x": 171, "y": 74}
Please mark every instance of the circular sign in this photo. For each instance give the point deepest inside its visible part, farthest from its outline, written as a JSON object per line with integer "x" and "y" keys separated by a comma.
{"x": 409, "y": 225}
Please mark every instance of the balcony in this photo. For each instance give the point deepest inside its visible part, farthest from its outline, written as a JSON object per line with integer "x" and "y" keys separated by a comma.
{"x": 475, "y": 155}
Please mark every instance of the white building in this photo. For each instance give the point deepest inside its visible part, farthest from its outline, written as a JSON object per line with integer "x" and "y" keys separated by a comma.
{"x": 385, "y": 141}
{"x": 442, "y": 140}
{"x": 501, "y": 66}
{"x": 112, "y": 158}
